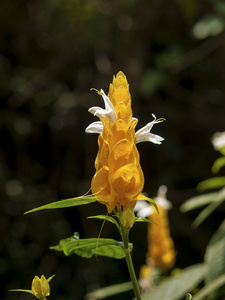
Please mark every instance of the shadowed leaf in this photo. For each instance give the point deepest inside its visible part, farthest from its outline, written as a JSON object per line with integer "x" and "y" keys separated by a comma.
{"x": 90, "y": 247}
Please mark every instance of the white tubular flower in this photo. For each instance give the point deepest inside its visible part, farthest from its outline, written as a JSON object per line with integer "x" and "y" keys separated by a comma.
{"x": 109, "y": 110}
{"x": 95, "y": 127}
{"x": 144, "y": 135}
{"x": 143, "y": 209}
{"x": 161, "y": 200}
{"x": 218, "y": 140}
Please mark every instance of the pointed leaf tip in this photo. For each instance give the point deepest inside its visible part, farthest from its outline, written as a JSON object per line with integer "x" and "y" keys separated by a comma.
{"x": 65, "y": 203}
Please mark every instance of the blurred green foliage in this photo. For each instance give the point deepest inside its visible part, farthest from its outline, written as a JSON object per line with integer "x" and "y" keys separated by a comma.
{"x": 51, "y": 53}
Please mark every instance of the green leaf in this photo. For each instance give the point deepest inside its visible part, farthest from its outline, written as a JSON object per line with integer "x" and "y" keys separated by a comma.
{"x": 220, "y": 197}
{"x": 107, "y": 218}
{"x": 108, "y": 291}
{"x": 188, "y": 296}
{"x": 90, "y": 247}
{"x": 144, "y": 220}
{"x": 215, "y": 254}
{"x": 218, "y": 164}
{"x": 66, "y": 203}
{"x": 210, "y": 288}
{"x": 198, "y": 201}
{"x": 212, "y": 183}
{"x": 174, "y": 288}
{"x": 50, "y": 278}
{"x": 222, "y": 150}
{"x": 149, "y": 200}
{"x": 208, "y": 25}
{"x": 21, "y": 290}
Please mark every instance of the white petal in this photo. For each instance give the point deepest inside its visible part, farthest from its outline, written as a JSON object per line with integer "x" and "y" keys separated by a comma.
{"x": 218, "y": 140}
{"x": 144, "y": 135}
{"x": 143, "y": 209}
{"x": 166, "y": 204}
{"x": 109, "y": 110}
{"x": 133, "y": 119}
{"x": 161, "y": 198}
{"x": 140, "y": 205}
{"x": 145, "y": 212}
{"x": 95, "y": 127}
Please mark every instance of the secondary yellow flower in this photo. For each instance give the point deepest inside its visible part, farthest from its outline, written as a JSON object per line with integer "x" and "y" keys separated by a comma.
{"x": 119, "y": 179}
{"x": 40, "y": 287}
{"x": 161, "y": 253}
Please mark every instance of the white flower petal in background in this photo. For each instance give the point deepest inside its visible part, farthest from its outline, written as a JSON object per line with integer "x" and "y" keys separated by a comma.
{"x": 161, "y": 200}
{"x": 218, "y": 140}
{"x": 145, "y": 209}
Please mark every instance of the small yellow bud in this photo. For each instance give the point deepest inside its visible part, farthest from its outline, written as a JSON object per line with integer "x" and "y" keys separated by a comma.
{"x": 40, "y": 287}
{"x": 127, "y": 218}
{"x": 145, "y": 272}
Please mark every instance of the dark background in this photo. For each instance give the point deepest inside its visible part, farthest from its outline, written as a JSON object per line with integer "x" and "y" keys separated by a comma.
{"x": 51, "y": 53}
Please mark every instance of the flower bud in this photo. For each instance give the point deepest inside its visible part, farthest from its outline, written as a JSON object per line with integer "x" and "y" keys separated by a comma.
{"x": 127, "y": 218}
{"x": 40, "y": 287}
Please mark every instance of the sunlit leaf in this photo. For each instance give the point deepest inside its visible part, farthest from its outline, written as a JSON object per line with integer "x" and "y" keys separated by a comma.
{"x": 210, "y": 288}
{"x": 90, "y": 247}
{"x": 198, "y": 201}
{"x": 107, "y": 218}
{"x": 208, "y": 25}
{"x": 212, "y": 183}
{"x": 66, "y": 203}
{"x": 215, "y": 253}
{"x": 213, "y": 199}
{"x": 143, "y": 220}
{"x": 204, "y": 214}
{"x": 174, "y": 288}
{"x": 222, "y": 150}
{"x": 115, "y": 289}
{"x": 142, "y": 197}
{"x": 188, "y": 296}
{"x": 218, "y": 164}
{"x": 21, "y": 290}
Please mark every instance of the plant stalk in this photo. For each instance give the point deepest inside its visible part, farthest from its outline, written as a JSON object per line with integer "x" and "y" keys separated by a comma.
{"x": 125, "y": 234}
{"x": 132, "y": 274}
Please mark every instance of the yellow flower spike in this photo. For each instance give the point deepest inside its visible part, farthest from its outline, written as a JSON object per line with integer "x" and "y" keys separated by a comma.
{"x": 40, "y": 287}
{"x": 118, "y": 180}
{"x": 161, "y": 253}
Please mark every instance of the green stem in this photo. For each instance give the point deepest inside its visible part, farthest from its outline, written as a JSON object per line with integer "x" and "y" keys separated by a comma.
{"x": 132, "y": 274}
{"x": 125, "y": 234}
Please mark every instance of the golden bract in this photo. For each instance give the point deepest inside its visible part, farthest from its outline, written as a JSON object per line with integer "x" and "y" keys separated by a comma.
{"x": 118, "y": 179}
{"x": 161, "y": 252}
